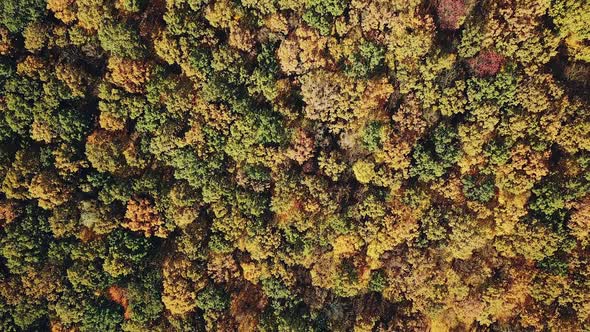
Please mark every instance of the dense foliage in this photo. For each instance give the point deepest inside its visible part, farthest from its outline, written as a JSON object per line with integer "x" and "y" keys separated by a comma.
{"x": 294, "y": 165}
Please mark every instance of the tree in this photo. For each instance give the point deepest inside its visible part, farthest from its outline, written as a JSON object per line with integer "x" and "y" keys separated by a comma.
{"x": 16, "y": 15}
{"x": 212, "y": 298}
{"x": 144, "y": 296}
{"x": 49, "y": 190}
{"x": 432, "y": 164}
{"x": 22, "y": 96}
{"x": 126, "y": 253}
{"x": 104, "y": 151}
{"x": 184, "y": 205}
{"x": 486, "y": 63}
{"x": 367, "y": 61}
{"x": 364, "y": 171}
{"x": 482, "y": 190}
{"x": 451, "y": 13}
{"x": 131, "y": 75}
{"x": 62, "y": 10}
{"x": 64, "y": 221}
{"x": 182, "y": 281}
{"x": 569, "y": 16}
{"x": 121, "y": 41}
{"x": 19, "y": 176}
{"x": 142, "y": 216}
{"x": 321, "y": 14}
{"x": 93, "y": 14}
{"x": 24, "y": 245}
{"x": 36, "y": 37}
{"x": 332, "y": 99}
{"x": 302, "y": 51}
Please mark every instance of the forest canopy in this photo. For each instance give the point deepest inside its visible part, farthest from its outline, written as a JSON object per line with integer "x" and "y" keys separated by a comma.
{"x": 294, "y": 165}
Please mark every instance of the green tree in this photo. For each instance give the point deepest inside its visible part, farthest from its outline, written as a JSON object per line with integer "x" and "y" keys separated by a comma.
{"x": 24, "y": 243}
{"x": 121, "y": 40}
{"x": 321, "y": 14}
{"x": 126, "y": 253}
{"x": 17, "y": 14}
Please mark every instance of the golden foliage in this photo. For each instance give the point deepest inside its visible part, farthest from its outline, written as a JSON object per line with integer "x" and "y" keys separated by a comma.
{"x": 131, "y": 75}
{"x": 143, "y": 217}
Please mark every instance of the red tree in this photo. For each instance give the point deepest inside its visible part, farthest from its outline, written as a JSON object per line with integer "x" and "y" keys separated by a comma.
{"x": 486, "y": 63}
{"x": 450, "y": 13}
